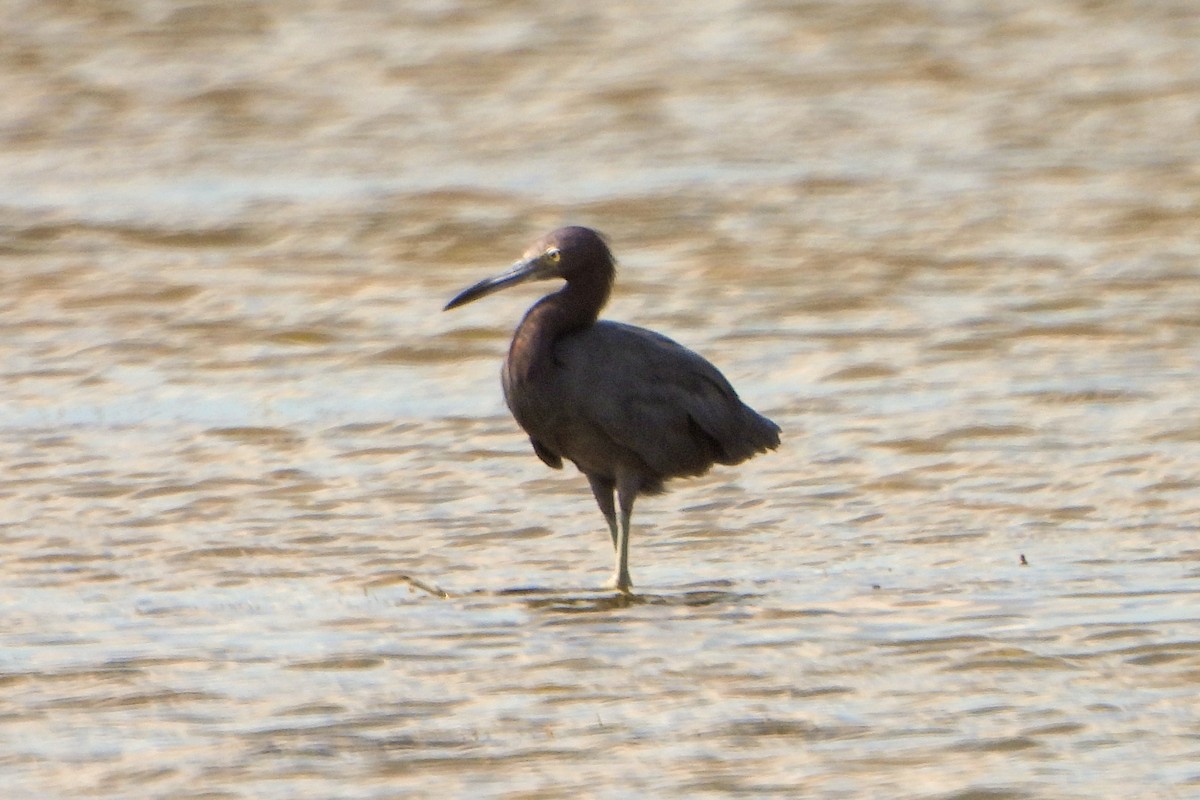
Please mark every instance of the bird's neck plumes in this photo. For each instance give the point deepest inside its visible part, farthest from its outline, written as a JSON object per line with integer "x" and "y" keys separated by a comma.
{"x": 573, "y": 307}
{"x": 578, "y": 303}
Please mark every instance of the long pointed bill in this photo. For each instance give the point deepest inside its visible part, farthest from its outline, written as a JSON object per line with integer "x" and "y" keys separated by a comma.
{"x": 528, "y": 269}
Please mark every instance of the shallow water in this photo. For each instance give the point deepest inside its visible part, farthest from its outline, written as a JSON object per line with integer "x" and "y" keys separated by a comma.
{"x": 268, "y": 530}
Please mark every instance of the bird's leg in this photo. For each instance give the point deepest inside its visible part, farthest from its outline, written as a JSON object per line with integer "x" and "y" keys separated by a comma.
{"x": 602, "y": 490}
{"x": 627, "y": 489}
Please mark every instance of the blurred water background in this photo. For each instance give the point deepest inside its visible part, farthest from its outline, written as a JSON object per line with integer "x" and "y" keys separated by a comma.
{"x": 268, "y": 531}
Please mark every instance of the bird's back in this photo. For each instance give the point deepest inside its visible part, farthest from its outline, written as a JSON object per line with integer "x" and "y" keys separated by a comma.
{"x": 618, "y": 395}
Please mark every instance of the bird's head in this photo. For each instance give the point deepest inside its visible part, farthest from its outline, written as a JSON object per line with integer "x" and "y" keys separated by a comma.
{"x": 567, "y": 253}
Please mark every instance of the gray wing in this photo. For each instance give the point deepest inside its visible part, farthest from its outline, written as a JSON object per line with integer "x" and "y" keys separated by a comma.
{"x": 667, "y": 404}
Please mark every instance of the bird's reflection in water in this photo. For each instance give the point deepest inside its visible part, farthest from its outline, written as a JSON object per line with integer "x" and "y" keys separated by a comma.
{"x": 584, "y": 601}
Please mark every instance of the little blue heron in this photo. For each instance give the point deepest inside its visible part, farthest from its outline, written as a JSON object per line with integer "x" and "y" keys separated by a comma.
{"x": 630, "y": 407}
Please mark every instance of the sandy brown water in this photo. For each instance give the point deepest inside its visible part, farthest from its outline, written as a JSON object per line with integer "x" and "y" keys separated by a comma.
{"x": 268, "y": 531}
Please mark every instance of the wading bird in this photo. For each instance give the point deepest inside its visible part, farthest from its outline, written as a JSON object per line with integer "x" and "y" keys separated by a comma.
{"x": 630, "y": 407}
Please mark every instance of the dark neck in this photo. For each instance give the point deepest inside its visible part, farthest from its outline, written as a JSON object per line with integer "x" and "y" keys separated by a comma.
{"x": 571, "y": 308}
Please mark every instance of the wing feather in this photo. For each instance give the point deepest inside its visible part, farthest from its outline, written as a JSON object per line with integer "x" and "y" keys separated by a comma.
{"x": 655, "y": 397}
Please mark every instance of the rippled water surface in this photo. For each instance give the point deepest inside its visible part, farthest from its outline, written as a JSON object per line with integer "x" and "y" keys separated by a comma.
{"x": 268, "y": 530}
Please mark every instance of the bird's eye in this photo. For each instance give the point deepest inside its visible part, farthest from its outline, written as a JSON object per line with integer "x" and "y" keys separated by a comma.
{"x": 554, "y": 255}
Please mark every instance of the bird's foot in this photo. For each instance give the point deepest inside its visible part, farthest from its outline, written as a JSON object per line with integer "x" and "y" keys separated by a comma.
{"x": 621, "y": 583}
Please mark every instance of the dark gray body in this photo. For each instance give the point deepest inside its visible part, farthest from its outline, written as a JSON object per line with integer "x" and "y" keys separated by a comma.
{"x": 616, "y": 396}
